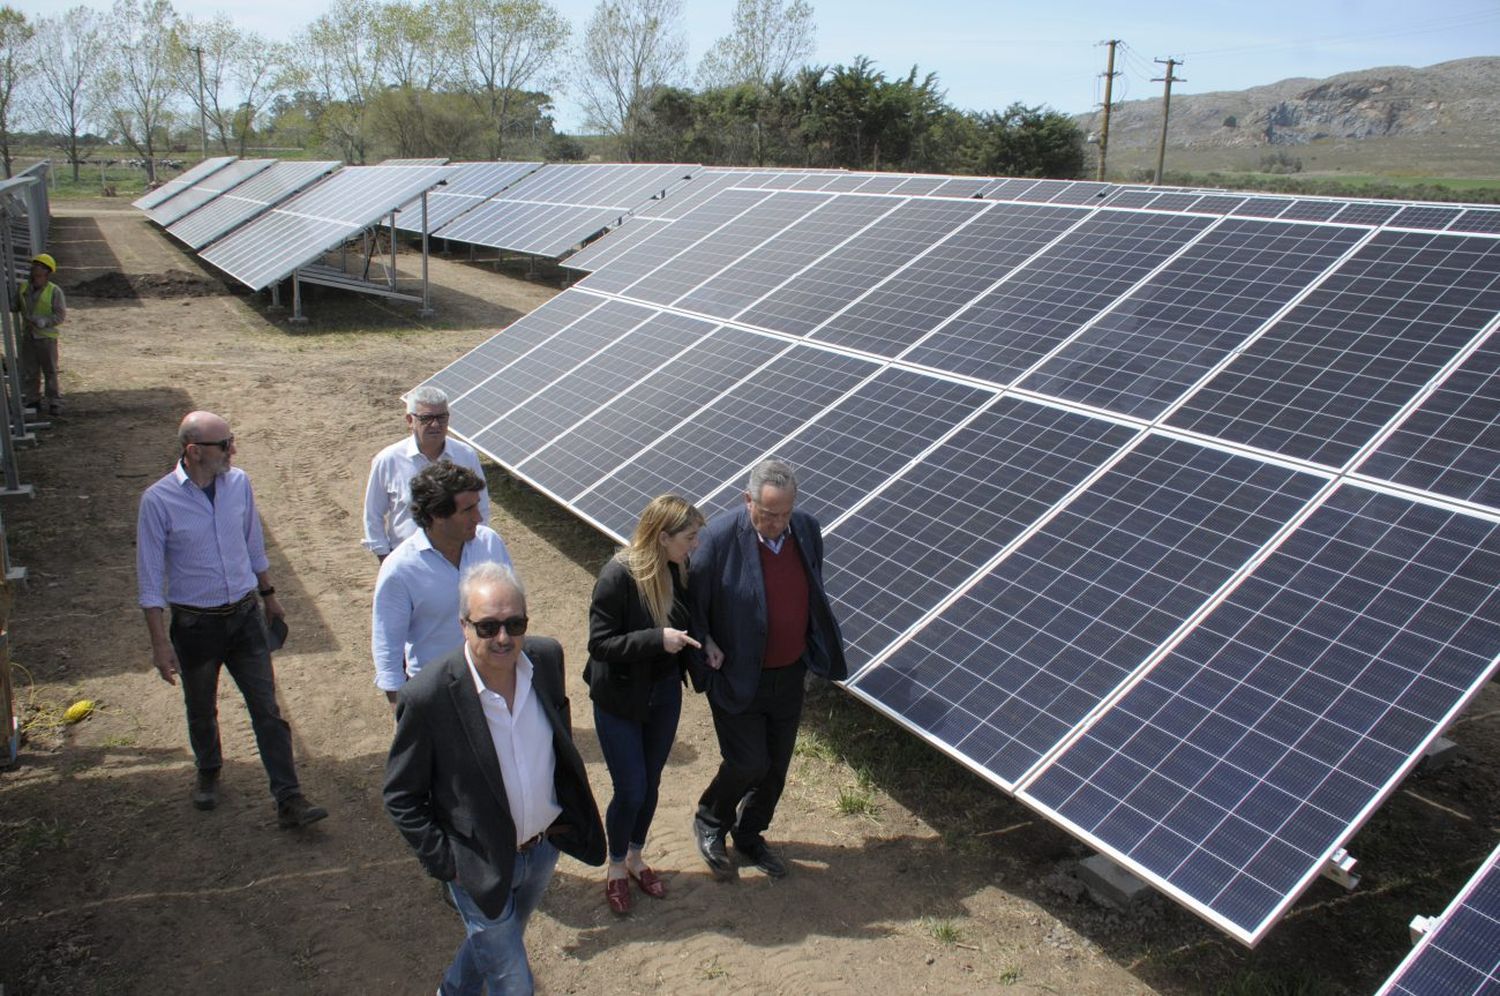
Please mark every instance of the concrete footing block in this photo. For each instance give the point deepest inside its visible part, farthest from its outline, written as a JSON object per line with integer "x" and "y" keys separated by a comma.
{"x": 1110, "y": 884}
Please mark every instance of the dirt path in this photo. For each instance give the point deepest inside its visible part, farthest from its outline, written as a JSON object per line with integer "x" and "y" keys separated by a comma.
{"x": 908, "y": 875}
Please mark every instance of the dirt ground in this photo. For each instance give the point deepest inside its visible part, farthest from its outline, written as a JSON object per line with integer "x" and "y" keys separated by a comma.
{"x": 908, "y": 874}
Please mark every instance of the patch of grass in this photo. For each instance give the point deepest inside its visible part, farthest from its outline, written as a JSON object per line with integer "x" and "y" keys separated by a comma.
{"x": 1293, "y": 981}
{"x": 22, "y": 840}
{"x": 856, "y": 800}
{"x": 1009, "y": 975}
{"x": 713, "y": 970}
{"x": 942, "y": 930}
{"x": 812, "y": 745}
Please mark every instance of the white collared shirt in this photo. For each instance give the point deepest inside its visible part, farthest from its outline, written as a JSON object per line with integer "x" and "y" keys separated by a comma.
{"x": 523, "y": 745}
{"x": 415, "y": 614}
{"x": 388, "y": 518}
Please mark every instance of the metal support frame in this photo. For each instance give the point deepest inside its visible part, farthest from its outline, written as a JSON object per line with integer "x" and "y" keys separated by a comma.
{"x": 426, "y": 310}
{"x": 1340, "y": 869}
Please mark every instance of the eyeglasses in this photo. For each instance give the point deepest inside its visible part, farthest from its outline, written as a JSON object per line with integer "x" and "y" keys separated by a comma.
{"x": 429, "y": 419}
{"x": 222, "y": 444}
{"x": 488, "y": 629}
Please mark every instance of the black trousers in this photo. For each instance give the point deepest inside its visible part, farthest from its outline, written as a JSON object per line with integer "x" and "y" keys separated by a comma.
{"x": 204, "y": 643}
{"x": 756, "y": 746}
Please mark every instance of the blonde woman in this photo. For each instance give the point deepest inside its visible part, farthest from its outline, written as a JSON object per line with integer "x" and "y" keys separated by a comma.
{"x": 638, "y": 629}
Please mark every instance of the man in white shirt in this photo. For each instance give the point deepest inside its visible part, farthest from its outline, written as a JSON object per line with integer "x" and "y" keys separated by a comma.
{"x": 485, "y": 784}
{"x": 388, "y": 518}
{"x": 415, "y": 617}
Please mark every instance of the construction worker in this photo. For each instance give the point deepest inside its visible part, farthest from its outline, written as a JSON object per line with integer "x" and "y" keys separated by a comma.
{"x": 42, "y": 309}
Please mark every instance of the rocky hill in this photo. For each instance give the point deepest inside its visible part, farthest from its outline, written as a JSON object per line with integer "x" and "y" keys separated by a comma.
{"x": 1454, "y": 103}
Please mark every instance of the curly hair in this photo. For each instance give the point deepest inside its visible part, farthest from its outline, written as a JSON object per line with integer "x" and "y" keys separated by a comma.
{"x": 435, "y": 488}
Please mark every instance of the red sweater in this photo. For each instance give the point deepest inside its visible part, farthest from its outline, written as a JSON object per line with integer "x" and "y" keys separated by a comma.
{"x": 788, "y": 600}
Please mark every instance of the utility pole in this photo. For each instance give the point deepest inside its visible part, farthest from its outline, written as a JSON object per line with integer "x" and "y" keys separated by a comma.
{"x": 1166, "y": 109}
{"x": 1109, "y": 83}
{"x": 202, "y": 112}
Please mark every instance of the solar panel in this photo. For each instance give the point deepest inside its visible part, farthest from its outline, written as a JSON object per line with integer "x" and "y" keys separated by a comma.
{"x": 247, "y": 200}
{"x": 1178, "y": 524}
{"x": 218, "y": 182}
{"x": 175, "y": 186}
{"x": 1461, "y": 952}
{"x": 300, "y": 230}
{"x": 1234, "y": 768}
{"x": 470, "y": 185}
{"x": 558, "y": 207}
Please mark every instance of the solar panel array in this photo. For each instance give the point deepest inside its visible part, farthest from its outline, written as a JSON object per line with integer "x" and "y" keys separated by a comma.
{"x": 1461, "y": 952}
{"x": 173, "y": 187}
{"x": 246, "y": 201}
{"x": 470, "y": 185}
{"x": 218, "y": 182}
{"x": 1172, "y": 512}
{"x": 300, "y": 230}
{"x": 561, "y": 206}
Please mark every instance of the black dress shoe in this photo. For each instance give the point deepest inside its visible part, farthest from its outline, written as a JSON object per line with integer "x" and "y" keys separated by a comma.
{"x": 296, "y": 812}
{"x": 762, "y": 857}
{"x": 206, "y": 789}
{"x": 711, "y": 846}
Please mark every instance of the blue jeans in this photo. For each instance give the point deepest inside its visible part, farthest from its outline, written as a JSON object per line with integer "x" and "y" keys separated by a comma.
{"x": 635, "y": 753}
{"x": 494, "y": 951}
{"x": 204, "y": 643}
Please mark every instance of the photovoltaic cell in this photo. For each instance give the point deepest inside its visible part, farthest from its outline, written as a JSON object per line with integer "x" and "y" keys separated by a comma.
{"x": 173, "y": 187}
{"x": 722, "y": 440}
{"x": 832, "y": 283}
{"x": 1366, "y": 213}
{"x": 1015, "y": 325}
{"x": 896, "y": 557}
{"x": 1311, "y": 210}
{"x": 861, "y": 442}
{"x": 1451, "y": 444}
{"x": 784, "y": 255}
{"x": 615, "y": 243}
{"x": 1476, "y": 220}
{"x": 300, "y": 230}
{"x": 1009, "y": 670}
{"x": 1461, "y": 953}
{"x": 246, "y": 201}
{"x": 469, "y": 185}
{"x": 218, "y": 182}
{"x": 931, "y": 289}
{"x": 1425, "y": 216}
{"x": 637, "y": 418}
{"x": 1142, "y": 355}
{"x": 1242, "y": 759}
{"x": 1331, "y": 373}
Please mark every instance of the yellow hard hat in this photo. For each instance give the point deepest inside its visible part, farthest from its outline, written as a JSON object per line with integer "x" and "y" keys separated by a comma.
{"x": 46, "y": 261}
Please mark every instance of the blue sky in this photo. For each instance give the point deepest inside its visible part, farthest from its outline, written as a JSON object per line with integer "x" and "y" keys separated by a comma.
{"x": 989, "y": 54}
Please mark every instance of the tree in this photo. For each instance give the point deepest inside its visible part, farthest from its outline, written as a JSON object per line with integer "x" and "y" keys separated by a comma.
{"x": 1025, "y": 141}
{"x": 341, "y": 53}
{"x": 508, "y": 46}
{"x": 139, "y": 80}
{"x": 16, "y": 61}
{"x": 70, "y": 53}
{"x": 241, "y": 73}
{"x": 631, "y": 49}
{"x": 417, "y": 50}
{"x": 769, "y": 39}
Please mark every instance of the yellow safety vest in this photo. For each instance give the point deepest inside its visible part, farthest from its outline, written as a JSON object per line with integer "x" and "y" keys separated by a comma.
{"x": 41, "y": 308}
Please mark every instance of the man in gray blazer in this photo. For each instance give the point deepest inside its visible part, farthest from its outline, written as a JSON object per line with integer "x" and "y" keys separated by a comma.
{"x": 484, "y": 782}
{"x": 756, "y": 589}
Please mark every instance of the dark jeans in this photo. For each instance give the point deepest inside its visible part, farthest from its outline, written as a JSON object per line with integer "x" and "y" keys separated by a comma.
{"x": 635, "y": 753}
{"x": 756, "y": 746}
{"x": 38, "y": 364}
{"x": 238, "y": 642}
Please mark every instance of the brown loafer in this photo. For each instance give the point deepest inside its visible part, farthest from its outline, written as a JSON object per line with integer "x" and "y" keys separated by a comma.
{"x": 617, "y": 892}
{"x": 650, "y": 883}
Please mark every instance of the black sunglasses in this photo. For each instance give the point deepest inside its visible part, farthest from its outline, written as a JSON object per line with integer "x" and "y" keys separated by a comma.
{"x": 429, "y": 419}
{"x": 222, "y": 444}
{"x": 488, "y": 629}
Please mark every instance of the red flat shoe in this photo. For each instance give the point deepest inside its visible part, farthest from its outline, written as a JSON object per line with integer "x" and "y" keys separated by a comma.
{"x": 617, "y": 891}
{"x": 650, "y": 883}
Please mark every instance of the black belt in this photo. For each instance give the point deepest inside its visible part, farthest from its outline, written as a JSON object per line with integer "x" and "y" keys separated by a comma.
{"x": 227, "y": 609}
{"x": 531, "y": 842}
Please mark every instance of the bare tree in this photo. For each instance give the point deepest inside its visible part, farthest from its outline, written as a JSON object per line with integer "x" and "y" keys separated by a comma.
{"x": 509, "y": 46}
{"x": 768, "y": 41}
{"x": 341, "y": 54}
{"x": 139, "y": 82}
{"x": 418, "y": 45}
{"x": 16, "y": 61}
{"x": 631, "y": 50}
{"x": 70, "y": 57}
{"x": 241, "y": 73}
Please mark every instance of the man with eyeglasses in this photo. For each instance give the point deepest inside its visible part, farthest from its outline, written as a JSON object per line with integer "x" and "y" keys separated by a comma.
{"x": 414, "y": 621}
{"x": 484, "y": 782}
{"x": 201, "y": 553}
{"x": 756, "y": 587}
{"x": 388, "y": 518}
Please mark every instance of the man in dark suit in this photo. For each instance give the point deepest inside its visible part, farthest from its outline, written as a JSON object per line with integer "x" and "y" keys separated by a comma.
{"x": 756, "y": 586}
{"x": 484, "y": 782}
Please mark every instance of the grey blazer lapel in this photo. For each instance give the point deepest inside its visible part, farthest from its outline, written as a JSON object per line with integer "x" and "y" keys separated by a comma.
{"x": 476, "y": 730}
